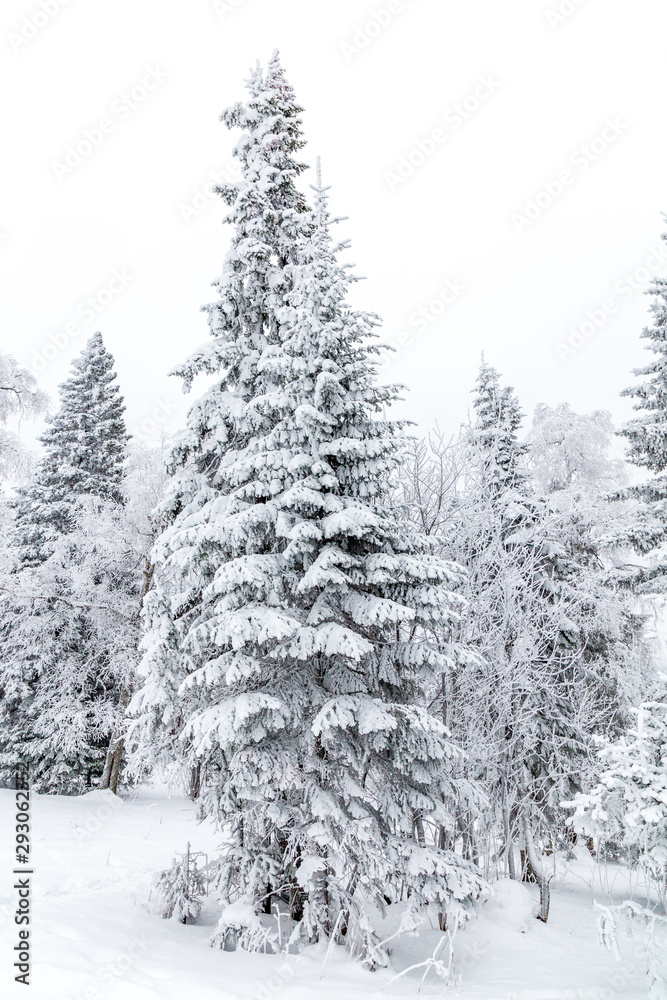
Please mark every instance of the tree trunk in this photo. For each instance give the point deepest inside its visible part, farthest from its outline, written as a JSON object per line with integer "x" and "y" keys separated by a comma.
{"x": 528, "y": 873}
{"x": 466, "y": 829}
{"x": 195, "y": 781}
{"x": 419, "y": 828}
{"x": 345, "y": 920}
{"x": 509, "y": 845}
{"x": 114, "y": 758}
{"x": 115, "y": 766}
{"x": 540, "y": 875}
{"x": 445, "y": 840}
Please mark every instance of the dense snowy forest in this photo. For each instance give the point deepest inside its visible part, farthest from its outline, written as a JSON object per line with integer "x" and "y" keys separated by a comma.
{"x": 391, "y": 671}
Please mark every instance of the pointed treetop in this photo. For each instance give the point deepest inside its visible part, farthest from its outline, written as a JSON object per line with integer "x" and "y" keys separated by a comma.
{"x": 647, "y": 433}
{"x": 85, "y": 445}
{"x": 494, "y": 435}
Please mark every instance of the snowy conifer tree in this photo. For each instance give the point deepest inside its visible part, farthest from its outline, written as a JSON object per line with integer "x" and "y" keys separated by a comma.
{"x": 647, "y": 438}
{"x": 181, "y": 888}
{"x": 85, "y": 448}
{"x": 554, "y": 641}
{"x": 268, "y": 213}
{"x": 70, "y": 636}
{"x": 69, "y": 618}
{"x": 300, "y": 615}
{"x": 629, "y": 804}
{"x": 494, "y": 442}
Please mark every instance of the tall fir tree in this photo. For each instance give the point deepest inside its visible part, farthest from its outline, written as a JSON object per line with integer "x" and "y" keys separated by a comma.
{"x": 499, "y": 455}
{"x": 628, "y": 806}
{"x": 85, "y": 448}
{"x": 647, "y": 448}
{"x": 269, "y": 214}
{"x": 553, "y": 640}
{"x": 68, "y": 635}
{"x": 295, "y": 618}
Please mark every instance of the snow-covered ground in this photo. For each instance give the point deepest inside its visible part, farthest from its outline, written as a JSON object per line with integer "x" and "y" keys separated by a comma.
{"x": 96, "y": 935}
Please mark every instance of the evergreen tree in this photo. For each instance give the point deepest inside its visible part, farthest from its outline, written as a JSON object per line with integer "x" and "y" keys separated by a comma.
{"x": 553, "y": 640}
{"x": 269, "y": 214}
{"x": 493, "y": 440}
{"x": 628, "y": 806}
{"x": 70, "y": 631}
{"x": 69, "y": 634}
{"x": 84, "y": 451}
{"x": 299, "y": 613}
{"x": 181, "y": 888}
{"x": 647, "y": 448}
{"x": 69, "y": 620}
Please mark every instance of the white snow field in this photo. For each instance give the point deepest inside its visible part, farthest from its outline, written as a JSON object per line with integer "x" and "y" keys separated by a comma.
{"x": 96, "y": 935}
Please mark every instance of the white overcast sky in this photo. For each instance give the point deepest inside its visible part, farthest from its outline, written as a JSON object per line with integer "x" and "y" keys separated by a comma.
{"x": 546, "y": 86}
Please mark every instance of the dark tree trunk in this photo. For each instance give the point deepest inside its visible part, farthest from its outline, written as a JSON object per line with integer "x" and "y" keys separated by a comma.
{"x": 538, "y": 873}
{"x": 195, "y": 781}
{"x": 114, "y": 758}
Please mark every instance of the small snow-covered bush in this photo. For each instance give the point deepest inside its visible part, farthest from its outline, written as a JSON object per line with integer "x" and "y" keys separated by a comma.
{"x": 182, "y": 888}
{"x": 240, "y": 927}
{"x": 654, "y": 928}
{"x": 629, "y": 803}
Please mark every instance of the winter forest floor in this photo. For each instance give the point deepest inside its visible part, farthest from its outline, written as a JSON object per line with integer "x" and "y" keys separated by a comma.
{"x": 96, "y": 935}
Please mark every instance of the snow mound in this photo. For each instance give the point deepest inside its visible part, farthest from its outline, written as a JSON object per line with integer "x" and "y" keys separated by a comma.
{"x": 239, "y": 914}
{"x": 512, "y": 904}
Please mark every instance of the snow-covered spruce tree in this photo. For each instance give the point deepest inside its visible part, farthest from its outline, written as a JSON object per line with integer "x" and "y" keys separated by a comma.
{"x": 70, "y": 637}
{"x": 495, "y": 539}
{"x": 181, "y": 888}
{"x": 553, "y": 640}
{"x": 647, "y": 448}
{"x": 579, "y": 483}
{"x": 300, "y": 614}
{"x": 69, "y": 616}
{"x": 628, "y": 806}
{"x": 269, "y": 215}
{"x": 84, "y": 451}
{"x": 493, "y": 437}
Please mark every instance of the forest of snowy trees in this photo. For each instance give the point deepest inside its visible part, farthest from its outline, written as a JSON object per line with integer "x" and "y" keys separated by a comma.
{"x": 388, "y": 668}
